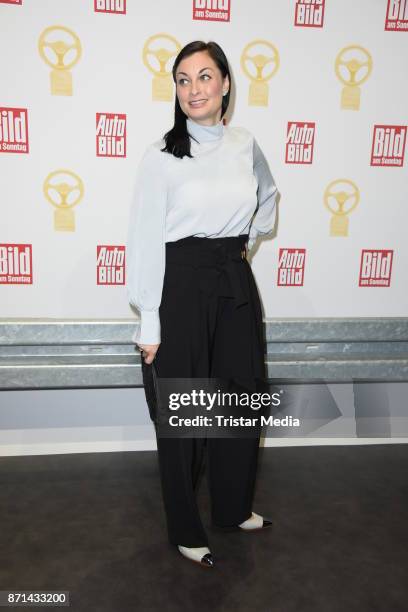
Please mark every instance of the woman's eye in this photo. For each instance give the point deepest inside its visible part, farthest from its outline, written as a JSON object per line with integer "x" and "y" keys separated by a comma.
{"x": 202, "y": 76}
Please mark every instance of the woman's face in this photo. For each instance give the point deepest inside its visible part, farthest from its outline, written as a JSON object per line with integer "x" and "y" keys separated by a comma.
{"x": 199, "y": 79}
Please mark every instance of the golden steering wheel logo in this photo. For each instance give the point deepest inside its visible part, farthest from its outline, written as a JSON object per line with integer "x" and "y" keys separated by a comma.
{"x": 61, "y": 49}
{"x": 353, "y": 66}
{"x": 258, "y": 94}
{"x": 162, "y": 84}
{"x": 340, "y": 198}
{"x": 59, "y": 189}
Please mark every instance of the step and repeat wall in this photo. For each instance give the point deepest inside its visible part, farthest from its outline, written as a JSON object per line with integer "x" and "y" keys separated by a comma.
{"x": 322, "y": 84}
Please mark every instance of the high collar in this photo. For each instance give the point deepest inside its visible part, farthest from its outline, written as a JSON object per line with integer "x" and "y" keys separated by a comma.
{"x": 205, "y": 133}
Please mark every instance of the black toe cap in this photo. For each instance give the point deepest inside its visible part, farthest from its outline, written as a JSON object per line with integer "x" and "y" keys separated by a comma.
{"x": 207, "y": 559}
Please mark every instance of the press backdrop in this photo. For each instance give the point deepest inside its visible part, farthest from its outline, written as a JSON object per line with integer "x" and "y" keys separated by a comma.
{"x": 86, "y": 86}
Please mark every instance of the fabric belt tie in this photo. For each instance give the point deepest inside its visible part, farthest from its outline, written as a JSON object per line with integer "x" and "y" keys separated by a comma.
{"x": 224, "y": 279}
{"x": 219, "y": 263}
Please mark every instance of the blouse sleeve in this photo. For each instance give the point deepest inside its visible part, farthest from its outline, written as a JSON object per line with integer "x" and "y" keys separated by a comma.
{"x": 263, "y": 221}
{"x": 145, "y": 247}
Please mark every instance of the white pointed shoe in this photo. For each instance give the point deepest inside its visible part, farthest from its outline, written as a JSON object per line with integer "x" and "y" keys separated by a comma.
{"x": 255, "y": 522}
{"x": 200, "y": 555}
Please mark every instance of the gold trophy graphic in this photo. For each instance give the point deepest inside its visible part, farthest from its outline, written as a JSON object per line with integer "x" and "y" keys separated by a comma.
{"x": 258, "y": 90}
{"x": 162, "y": 84}
{"x": 61, "y": 77}
{"x": 339, "y": 222}
{"x": 349, "y": 58}
{"x": 58, "y": 192}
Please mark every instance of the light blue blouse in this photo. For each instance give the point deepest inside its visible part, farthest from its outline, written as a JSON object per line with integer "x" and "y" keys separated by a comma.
{"x": 226, "y": 189}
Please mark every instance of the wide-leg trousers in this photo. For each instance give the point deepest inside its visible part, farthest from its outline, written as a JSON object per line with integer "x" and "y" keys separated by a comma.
{"x": 211, "y": 326}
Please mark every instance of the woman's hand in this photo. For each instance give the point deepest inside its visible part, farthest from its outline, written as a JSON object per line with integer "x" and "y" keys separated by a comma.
{"x": 148, "y": 351}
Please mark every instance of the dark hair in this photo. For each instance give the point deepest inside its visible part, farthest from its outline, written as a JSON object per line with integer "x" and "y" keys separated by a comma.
{"x": 177, "y": 139}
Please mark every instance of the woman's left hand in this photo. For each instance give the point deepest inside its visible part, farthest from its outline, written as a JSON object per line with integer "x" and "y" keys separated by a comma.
{"x": 148, "y": 351}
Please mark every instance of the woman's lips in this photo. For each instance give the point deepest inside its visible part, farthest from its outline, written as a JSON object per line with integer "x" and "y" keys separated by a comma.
{"x": 198, "y": 103}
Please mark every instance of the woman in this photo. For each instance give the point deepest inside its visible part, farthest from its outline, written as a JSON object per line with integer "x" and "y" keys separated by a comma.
{"x": 192, "y": 222}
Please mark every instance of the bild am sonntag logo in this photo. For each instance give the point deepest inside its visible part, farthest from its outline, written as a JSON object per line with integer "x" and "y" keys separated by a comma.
{"x": 16, "y": 264}
{"x": 212, "y": 10}
{"x": 375, "y": 268}
{"x": 110, "y": 6}
{"x": 388, "y": 145}
{"x": 13, "y": 130}
{"x": 396, "y": 19}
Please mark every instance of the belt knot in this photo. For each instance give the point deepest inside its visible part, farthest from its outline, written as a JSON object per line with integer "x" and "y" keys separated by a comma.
{"x": 229, "y": 281}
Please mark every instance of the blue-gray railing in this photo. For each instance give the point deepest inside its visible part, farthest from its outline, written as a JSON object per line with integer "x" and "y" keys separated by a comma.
{"x": 44, "y": 354}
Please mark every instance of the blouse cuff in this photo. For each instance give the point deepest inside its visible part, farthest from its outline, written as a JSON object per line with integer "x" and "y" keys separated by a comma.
{"x": 149, "y": 328}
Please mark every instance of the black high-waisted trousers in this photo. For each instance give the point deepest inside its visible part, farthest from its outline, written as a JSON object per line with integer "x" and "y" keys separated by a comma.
{"x": 211, "y": 326}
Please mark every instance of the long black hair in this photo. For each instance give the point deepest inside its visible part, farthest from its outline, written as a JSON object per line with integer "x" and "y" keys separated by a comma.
{"x": 177, "y": 139}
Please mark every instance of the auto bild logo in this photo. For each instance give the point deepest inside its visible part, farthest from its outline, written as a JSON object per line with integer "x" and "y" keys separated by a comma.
{"x": 388, "y": 145}
{"x": 299, "y": 142}
{"x": 212, "y": 10}
{"x": 110, "y": 6}
{"x": 13, "y": 130}
{"x": 110, "y": 135}
{"x": 309, "y": 13}
{"x": 110, "y": 265}
{"x": 375, "y": 268}
{"x": 291, "y": 267}
{"x": 396, "y": 19}
{"x": 16, "y": 267}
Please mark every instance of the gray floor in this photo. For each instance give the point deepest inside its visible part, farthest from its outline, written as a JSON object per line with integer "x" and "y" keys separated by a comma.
{"x": 93, "y": 524}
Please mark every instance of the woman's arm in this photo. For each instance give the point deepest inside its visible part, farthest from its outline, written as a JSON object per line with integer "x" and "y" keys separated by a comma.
{"x": 264, "y": 220}
{"x": 145, "y": 248}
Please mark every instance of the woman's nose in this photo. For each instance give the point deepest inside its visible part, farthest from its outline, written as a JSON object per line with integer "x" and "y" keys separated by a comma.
{"x": 195, "y": 88}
